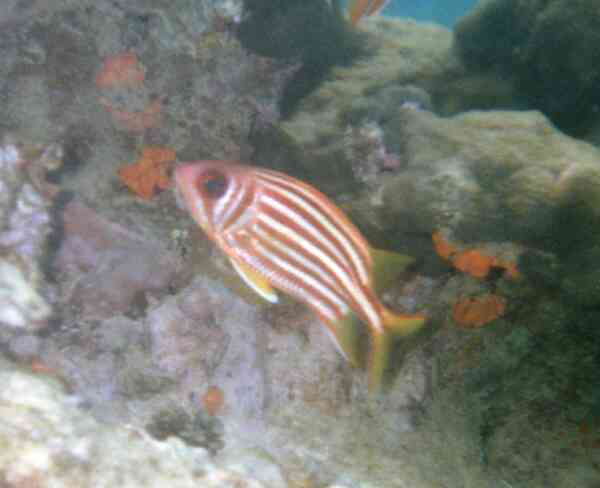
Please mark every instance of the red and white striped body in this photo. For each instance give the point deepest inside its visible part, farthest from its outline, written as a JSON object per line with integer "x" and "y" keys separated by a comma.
{"x": 291, "y": 234}
{"x": 280, "y": 232}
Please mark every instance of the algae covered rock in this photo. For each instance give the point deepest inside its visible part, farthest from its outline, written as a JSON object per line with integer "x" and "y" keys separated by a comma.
{"x": 346, "y": 130}
{"x": 550, "y": 48}
{"x": 503, "y": 176}
{"x": 403, "y": 64}
{"x": 581, "y": 277}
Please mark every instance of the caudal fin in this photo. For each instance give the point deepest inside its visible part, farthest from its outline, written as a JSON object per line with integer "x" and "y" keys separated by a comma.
{"x": 382, "y": 340}
{"x": 400, "y": 324}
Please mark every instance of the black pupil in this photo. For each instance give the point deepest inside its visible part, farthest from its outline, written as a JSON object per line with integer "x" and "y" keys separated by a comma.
{"x": 215, "y": 185}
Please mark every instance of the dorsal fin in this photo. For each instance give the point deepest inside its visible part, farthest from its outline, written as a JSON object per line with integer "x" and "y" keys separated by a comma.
{"x": 387, "y": 265}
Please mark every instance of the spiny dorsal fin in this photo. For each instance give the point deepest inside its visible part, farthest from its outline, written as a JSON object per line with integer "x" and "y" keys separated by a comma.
{"x": 387, "y": 265}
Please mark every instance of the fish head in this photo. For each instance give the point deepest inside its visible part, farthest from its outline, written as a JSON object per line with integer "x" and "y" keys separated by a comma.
{"x": 207, "y": 189}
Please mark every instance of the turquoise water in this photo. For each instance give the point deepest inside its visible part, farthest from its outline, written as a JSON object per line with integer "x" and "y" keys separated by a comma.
{"x": 445, "y": 12}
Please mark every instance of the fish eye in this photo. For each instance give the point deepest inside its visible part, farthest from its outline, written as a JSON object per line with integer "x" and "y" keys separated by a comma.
{"x": 213, "y": 184}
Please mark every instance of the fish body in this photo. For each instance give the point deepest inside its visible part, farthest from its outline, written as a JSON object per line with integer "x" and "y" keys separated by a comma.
{"x": 281, "y": 233}
{"x": 364, "y": 8}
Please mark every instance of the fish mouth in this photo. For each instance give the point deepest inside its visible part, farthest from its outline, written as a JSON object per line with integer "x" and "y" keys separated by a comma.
{"x": 180, "y": 185}
{"x": 179, "y": 198}
{"x": 185, "y": 194}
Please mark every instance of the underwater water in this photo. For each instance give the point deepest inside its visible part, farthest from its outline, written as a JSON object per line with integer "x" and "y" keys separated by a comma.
{"x": 444, "y": 12}
{"x": 286, "y": 243}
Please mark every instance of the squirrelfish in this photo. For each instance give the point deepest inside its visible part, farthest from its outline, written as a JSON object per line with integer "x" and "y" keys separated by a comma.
{"x": 281, "y": 233}
{"x": 358, "y": 9}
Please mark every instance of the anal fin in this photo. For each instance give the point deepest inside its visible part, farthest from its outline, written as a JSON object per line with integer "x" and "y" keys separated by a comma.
{"x": 346, "y": 334}
{"x": 394, "y": 325}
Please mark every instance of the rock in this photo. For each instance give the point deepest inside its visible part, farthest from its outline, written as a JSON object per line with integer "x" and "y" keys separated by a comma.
{"x": 108, "y": 269}
{"x": 26, "y": 201}
{"x": 548, "y": 47}
{"x": 581, "y": 277}
{"x": 21, "y": 305}
{"x": 25, "y": 347}
{"x": 57, "y": 444}
{"x": 409, "y": 59}
{"x": 201, "y": 92}
{"x": 499, "y": 176}
{"x": 204, "y": 336}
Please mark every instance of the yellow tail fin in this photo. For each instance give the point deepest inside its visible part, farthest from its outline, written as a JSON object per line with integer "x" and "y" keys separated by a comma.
{"x": 381, "y": 343}
{"x": 400, "y": 324}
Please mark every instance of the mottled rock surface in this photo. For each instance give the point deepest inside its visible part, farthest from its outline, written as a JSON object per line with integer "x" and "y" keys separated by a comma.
{"x": 26, "y": 202}
{"x": 105, "y": 268}
{"x": 49, "y": 441}
{"x": 548, "y": 48}
{"x": 346, "y": 129}
{"x": 198, "y": 92}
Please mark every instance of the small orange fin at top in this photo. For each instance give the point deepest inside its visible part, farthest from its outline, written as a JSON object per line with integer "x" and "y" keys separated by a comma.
{"x": 358, "y": 9}
{"x": 376, "y": 6}
{"x": 387, "y": 265}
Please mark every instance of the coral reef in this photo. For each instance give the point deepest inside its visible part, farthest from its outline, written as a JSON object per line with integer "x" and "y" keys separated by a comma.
{"x": 25, "y": 225}
{"x": 142, "y": 76}
{"x": 176, "y": 373}
{"x": 478, "y": 311}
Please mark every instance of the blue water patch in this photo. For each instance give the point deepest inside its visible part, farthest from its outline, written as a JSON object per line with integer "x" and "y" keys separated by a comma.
{"x": 445, "y": 12}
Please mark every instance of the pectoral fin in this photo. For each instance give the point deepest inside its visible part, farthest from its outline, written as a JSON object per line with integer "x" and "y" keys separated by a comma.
{"x": 256, "y": 281}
